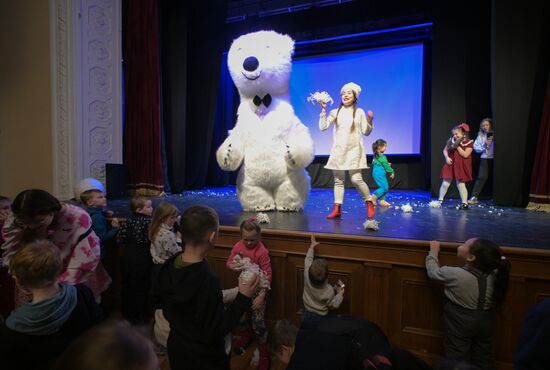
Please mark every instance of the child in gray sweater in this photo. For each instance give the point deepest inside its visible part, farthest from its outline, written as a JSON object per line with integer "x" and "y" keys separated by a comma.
{"x": 473, "y": 292}
{"x": 319, "y": 296}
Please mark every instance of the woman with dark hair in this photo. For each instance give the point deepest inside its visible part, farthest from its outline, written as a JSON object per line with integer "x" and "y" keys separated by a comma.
{"x": 473, "y": 292}
{"x": 36, "y": 214}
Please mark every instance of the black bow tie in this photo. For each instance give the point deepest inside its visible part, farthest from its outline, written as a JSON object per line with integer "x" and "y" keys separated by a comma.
{"x": 266, "y": 100}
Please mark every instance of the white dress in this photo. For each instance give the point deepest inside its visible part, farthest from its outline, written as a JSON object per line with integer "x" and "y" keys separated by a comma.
{"x": 348, "y": 152}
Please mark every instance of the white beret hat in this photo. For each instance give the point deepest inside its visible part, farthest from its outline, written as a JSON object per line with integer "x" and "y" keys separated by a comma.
{"x": 88, "y": 184}
{"x": 353, "y": 87}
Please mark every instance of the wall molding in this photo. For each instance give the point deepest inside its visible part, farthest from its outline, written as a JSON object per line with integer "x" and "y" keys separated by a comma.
{"x": 86, "y": 90}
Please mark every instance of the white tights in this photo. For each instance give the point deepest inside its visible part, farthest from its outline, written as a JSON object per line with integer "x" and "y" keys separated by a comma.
{"x": 356, "y": 179}
{"x": 461, "y": 190}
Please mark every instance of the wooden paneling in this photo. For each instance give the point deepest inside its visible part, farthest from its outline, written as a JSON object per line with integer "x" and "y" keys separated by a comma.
{"x": 386, "y": 282}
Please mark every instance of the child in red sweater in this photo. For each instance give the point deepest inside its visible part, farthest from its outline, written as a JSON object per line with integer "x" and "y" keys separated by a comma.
{"x": 252, "y": 247}
{"x": 458, "y": 164}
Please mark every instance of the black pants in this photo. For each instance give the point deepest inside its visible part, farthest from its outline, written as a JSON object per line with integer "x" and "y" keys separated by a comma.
{"x": 469, "y": 335}
{"x": 136, "y": 266}
{"x": 485, "y": 169}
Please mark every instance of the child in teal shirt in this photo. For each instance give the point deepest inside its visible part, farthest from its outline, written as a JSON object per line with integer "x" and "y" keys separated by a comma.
{"x": 379, "y": 169}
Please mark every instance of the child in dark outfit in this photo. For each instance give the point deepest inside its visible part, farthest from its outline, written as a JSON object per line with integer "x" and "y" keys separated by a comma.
{"x": 136, "y": 261}
{"x": 191, "y": 298}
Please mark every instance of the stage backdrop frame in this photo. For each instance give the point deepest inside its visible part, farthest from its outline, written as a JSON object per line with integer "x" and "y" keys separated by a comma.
{"x": 413, "y": 170}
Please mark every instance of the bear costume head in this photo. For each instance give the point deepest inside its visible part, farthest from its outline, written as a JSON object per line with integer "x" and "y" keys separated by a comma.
{"x": 260, "y": 63}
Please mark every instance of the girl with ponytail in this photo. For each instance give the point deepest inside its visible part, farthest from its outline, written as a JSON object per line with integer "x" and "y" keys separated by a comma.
{"x": 473, "y": 295}
{"x": 348, "y": 152}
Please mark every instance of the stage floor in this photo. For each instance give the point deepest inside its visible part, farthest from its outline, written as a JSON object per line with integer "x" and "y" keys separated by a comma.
{"x": 512, "y": 227}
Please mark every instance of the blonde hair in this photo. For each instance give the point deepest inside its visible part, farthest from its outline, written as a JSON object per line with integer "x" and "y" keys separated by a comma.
{"x": 88, "y": 195}
{"x": 161, "y": 213}
{"x": 37, "y": 264}
{"x": 138, "y": 202}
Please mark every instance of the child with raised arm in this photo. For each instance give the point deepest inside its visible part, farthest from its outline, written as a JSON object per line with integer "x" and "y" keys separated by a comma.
{"x": 347, "y": 152}
{"x": 381, "y": 166}
{"x": 473, "y": 293}
{"x": 319, "y": 296}
{"x": 191, "y": 297}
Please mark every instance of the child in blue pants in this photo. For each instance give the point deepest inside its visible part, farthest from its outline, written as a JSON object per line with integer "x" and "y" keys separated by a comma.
{"x": 379, "y": 169}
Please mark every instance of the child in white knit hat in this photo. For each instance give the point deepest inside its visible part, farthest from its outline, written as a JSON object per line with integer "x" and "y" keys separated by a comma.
{"x": 91, "y": 193}
{"x": 348, "y": 152}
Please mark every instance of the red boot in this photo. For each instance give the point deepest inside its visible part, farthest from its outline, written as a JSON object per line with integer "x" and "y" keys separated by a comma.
{"x": 336, "y": 211}
{"x": 370, "y": 209}
{"x": 264, "y": 357}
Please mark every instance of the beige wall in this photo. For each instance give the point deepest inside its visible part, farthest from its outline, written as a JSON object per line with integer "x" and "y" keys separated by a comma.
{"x": 25, "y": 97}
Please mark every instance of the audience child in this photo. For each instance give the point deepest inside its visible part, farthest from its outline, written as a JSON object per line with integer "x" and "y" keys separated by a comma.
{"x": 473, "y": 293}
{"x": 191, "y": 297}
{"x": 282, "y": 342}
{"x": 136, "y": 261}
{"x": 163, "y": 246}
{"x": 250, "y": 246}
{"x": 113, "y": 345}
{"x": 534, "y": 339}
{"x": 161, "y": 233}
{"x": 95, "y": 201}
{"x": 381, "y": 166}
{"x": 38, "y": 331}
{"x": 335, "y": 343}
{"x": 319, "y": 296}
{"x": 458, "y": 164}
{"x": 7, "y": 285}
{"x": 484, "y": 144}
{"x": 36, "y": 214}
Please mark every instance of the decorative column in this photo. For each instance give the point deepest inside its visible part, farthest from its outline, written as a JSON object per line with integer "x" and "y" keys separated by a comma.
{"x": 87, "y": 90}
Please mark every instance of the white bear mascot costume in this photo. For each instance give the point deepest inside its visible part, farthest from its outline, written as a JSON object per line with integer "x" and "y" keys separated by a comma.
{"x": 270, "y": 142}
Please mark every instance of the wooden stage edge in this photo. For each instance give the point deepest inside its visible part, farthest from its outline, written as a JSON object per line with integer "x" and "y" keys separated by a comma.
{"x": 386, "y": 282}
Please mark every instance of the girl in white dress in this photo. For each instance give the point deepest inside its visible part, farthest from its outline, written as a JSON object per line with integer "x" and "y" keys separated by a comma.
{"x": 348, "y": 152}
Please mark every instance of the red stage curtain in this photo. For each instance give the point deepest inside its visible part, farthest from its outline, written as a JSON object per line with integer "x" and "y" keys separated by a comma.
{"x": 539, "y": 196}
{"x": 142, "y": 127}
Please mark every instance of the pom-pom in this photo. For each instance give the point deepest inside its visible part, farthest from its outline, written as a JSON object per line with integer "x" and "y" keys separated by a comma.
{"x": 406, "y": 208}
{"x": 249, "y": 269}
{"x": 262, "y": 218}
{"x": 320, "y": 97}
{"x": 435, "y": 204}
{"x": 371, "y": 225}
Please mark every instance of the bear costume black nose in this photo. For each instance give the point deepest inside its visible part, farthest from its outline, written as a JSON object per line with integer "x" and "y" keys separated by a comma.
{"x": 250, "y": 64}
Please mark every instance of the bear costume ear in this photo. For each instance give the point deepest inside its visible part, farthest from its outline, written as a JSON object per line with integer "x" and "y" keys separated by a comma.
{"x": 289, "y": 44}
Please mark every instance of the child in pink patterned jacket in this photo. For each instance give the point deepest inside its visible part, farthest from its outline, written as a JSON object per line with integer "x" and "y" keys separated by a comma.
{"x": 39, "y": 215}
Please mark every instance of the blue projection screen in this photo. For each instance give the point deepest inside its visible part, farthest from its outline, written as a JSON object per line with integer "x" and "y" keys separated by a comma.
{"x": 391, "y": 82}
